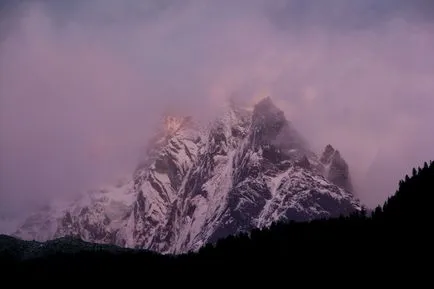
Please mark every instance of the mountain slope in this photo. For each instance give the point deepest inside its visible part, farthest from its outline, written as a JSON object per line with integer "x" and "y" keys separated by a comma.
{"x": 248, "y": 169}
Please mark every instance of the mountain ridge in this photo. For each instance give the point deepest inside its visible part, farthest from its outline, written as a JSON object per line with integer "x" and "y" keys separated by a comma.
{"x": 248, "y": 169}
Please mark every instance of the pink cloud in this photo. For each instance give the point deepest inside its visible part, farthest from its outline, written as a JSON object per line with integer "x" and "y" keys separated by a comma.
{"x": 80, "y": 97}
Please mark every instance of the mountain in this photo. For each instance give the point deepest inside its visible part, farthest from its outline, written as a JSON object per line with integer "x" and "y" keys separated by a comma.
{"x": 198, "y": 184}
{"x": 396, "y": 235}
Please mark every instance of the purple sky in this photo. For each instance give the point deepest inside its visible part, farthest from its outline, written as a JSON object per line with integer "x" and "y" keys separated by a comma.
{"x": 82, "y": 83}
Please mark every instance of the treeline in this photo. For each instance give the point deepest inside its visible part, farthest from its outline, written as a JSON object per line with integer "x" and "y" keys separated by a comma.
{"x": 393, "y": 234}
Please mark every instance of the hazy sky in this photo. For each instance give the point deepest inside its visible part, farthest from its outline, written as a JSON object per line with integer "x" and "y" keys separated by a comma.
{"x": 82, "y": 83}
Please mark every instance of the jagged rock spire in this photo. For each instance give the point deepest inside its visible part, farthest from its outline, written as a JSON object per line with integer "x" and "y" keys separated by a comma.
{"x": 327, "y": 154}
{"x": 336, "y": 168}
{"x": 270, "y": 127}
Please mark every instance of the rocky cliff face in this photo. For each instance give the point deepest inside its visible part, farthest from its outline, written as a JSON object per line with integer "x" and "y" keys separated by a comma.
{"x": 248, "y": 169}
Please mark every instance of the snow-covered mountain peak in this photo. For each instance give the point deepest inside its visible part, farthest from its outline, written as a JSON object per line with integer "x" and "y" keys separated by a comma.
{"x": 196, "y": 184}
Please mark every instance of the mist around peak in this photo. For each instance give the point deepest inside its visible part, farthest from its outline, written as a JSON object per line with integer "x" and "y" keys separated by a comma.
{"x": 83, "y": 84}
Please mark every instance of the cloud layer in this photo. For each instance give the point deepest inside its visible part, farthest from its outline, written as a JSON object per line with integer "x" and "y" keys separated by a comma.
{"x": 82, "y": 83}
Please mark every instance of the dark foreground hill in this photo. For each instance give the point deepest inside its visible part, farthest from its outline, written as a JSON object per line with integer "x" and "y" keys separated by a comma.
{"x": 396, "y": 235}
